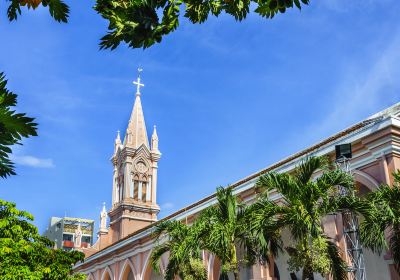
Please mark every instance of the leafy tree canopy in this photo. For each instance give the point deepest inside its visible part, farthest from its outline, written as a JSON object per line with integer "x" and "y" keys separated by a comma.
{"x": 57, "y": 8}
{"x": 13, "y": 126}
{"x": 24, "y": 254}
{"x": 142, "y": 23}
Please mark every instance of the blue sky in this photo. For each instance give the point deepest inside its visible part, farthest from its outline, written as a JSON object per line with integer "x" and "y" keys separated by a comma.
{"x": 228, "y": 98}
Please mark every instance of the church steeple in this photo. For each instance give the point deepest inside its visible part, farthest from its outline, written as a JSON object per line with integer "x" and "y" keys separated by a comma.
{"x": 136, "y": 133}
{"x": 134, "y": 203}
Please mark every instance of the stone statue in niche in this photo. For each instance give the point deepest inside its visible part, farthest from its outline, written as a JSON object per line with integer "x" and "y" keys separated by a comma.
{"x": 78, "y": 236}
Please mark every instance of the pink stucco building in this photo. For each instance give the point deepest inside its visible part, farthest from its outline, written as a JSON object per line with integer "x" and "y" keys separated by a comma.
{"x": 123, "y": 248}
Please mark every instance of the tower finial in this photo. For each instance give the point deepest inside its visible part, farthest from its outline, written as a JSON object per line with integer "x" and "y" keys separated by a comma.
{"x": 117, "y": 141}
{"x": 137, "y": 82}
{"x": 103, "y": 219}
{"x": 154, "y": 140}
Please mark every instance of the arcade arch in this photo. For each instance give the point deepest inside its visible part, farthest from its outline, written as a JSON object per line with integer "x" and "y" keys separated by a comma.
{"x": 128, "y": 271}
{"x": 107, "y": 274}
{"x": 364, "y": 180}
{"x": 149, "y": 273}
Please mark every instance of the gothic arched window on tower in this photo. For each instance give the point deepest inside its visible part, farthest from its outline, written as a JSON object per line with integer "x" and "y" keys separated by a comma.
{"x": 121, "y": 192}
{"x": 144, "y": 191}
{"x": 136, "y": 189}
{"x": 131, "y": 187}
{"x": 117, "y": 193}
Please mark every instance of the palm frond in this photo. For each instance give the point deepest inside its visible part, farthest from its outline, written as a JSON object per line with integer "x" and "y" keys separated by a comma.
{"x": 396, "y": 177}
{"x": 13, "y": 127}
{"x": 309, "y": 166}
{"x": 372, "y": 236}
{"x": 223, "y": 276}
{"x": 281, "y": 182}
{"x": 331, "y": 179}
{"x": 227, "y": 203}
{"x": 338, "y": 266}
{"x": 172, "y": 269}
{"x": 158, "y": 251}
{"x": 394, "y": 244}
{"x": 336, "y": 204}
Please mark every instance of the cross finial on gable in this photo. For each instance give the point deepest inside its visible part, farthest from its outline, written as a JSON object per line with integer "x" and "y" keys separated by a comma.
{"x": 137, "y": 82}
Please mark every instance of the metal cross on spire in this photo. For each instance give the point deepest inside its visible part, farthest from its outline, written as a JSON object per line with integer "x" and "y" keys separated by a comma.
{"x": 137, "y": 82}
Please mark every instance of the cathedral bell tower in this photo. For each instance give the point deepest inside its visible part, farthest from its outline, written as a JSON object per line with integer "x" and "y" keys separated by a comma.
{"x": 134, "y": 203}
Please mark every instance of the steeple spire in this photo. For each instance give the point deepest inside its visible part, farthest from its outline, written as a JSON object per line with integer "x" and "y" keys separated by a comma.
{"x": 118, "y": 138}
{"x": 154, "y": 141}
{"x": 117, "y": 142}
{"x": 136, "y": 133}
{"x": 103, "y": 219}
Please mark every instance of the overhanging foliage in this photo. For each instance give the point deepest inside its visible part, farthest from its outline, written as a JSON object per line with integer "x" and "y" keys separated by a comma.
{"x": 13, "y": 126}
{"x": 57, "y": 8}
{"x": 142, "y": 23}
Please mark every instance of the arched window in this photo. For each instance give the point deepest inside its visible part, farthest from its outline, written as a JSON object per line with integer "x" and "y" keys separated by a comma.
{"x": 127, "y": 272}
{"x": 121, "y": 192}
{"x": 117, "y": 193}
{"x": 131, "y": 186}
{"x": 144, "y": 191}
{"x": 107, "y": 275}
{"x": 136, "y": 188}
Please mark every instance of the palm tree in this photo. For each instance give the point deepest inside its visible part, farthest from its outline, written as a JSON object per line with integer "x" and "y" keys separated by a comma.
{"x": 184, "y": 247}
{"x": 227, "y": 232}
{"x": 305, "y": 202}
{"x": 385, "y": 221}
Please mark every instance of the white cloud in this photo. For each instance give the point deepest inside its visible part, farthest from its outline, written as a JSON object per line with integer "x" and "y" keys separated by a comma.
{"x": 364, "y": 88}
{"x": 167, "y": 205}
{"x": 33, "y": 161}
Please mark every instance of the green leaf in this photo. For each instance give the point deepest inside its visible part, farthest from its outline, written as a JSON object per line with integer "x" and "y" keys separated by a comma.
{"x": 13, "y": 127}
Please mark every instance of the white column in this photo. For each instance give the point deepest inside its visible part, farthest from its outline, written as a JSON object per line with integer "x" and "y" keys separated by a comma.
{"x": 148, "y": 190}
{"x": 127, "y": 178}
{"x": 117, "y": 194}
{"x": 114, "y": 187}
{"x": 154, "y": 185}
{"x": 140, "y": 191}
{"x": 121, "y": 192}
{"x": 131, "y": 187}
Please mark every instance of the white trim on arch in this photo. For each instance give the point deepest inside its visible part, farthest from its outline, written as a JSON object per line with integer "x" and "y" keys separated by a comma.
{"x": 146, "y": 263}
{"x": 163, "y": 265}
{"x": 90, "y": 277}
{"x": 108, "y": 270}
{"x": 129, "y": 263}
{"x": 365, "y": 179}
